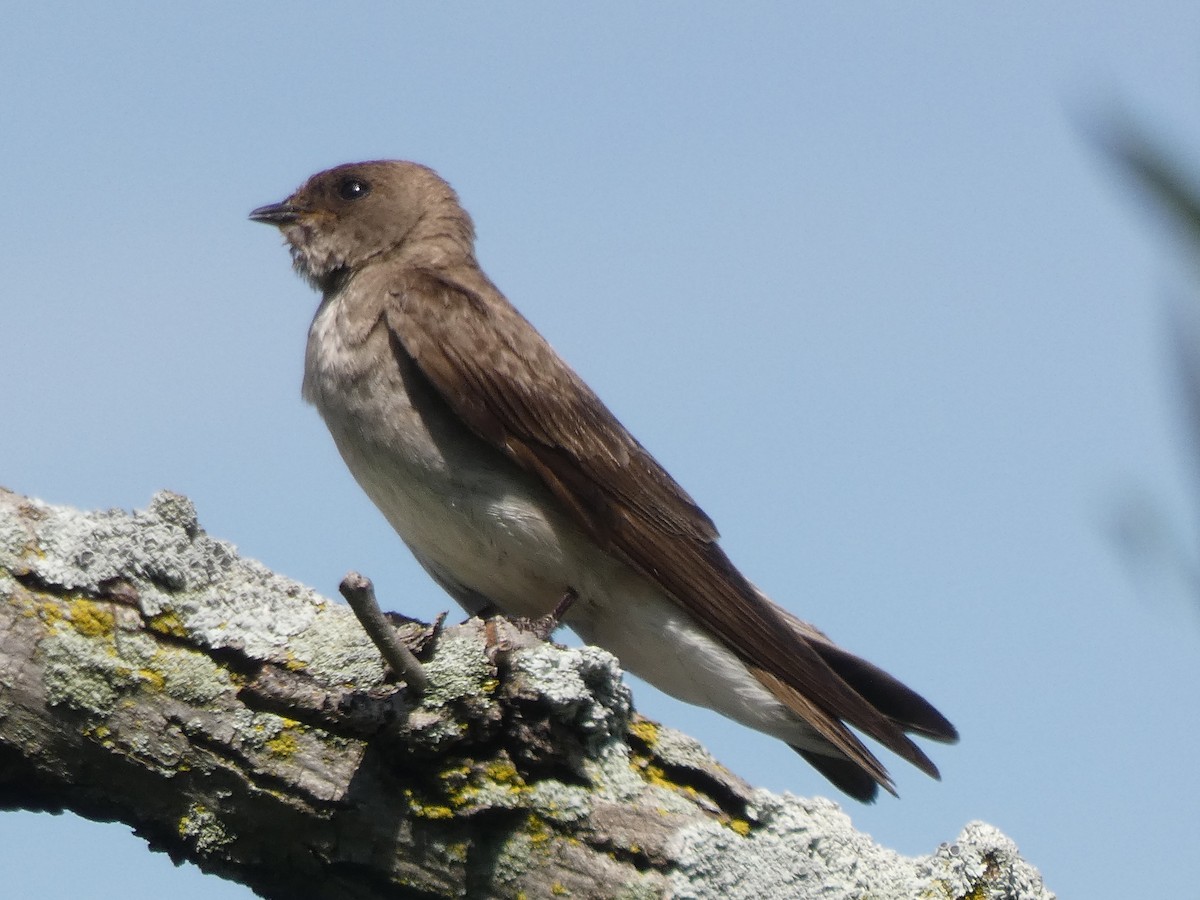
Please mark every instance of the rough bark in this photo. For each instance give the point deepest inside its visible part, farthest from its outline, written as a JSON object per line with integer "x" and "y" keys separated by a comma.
{"x": 236, "y": 719}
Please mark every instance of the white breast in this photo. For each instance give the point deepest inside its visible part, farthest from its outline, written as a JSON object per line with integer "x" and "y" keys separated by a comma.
{"x": 460, "y": 505}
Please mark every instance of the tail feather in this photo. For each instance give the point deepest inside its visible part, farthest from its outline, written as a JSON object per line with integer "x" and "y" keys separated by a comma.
{"x": 897, "y": 701}
{"x": 895, "y": 710}
{"x": 843, "y": 741}
{"x": 845, "y": 774}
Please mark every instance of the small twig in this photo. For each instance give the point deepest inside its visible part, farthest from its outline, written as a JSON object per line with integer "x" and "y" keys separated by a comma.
{"x": 360, "y": 594}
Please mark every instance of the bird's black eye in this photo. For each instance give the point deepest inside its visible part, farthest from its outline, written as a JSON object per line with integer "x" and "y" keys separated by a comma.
{"x": 353, "y": 189}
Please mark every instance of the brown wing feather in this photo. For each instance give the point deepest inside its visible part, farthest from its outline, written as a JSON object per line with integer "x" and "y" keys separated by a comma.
{"x": 514, "y": 391}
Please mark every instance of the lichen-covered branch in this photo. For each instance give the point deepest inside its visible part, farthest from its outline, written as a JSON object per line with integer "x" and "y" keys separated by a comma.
{"x": 234, "y": 718}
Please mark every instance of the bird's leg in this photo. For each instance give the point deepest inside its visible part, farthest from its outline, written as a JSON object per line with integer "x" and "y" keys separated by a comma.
{"x": 565, "y": 603}
{"x": 544, "y": 626}
{"x": 360, "y": 594}
{"x": 487, "y": 611}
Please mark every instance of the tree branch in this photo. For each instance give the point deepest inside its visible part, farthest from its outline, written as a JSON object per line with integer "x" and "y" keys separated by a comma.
{"x": 236, "y": 719}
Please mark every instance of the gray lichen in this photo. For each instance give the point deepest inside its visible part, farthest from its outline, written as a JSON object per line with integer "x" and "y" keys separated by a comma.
{"x": 583, "y": 687}
{"x": 808, "y": 848}
{"x": 202, "y": 828}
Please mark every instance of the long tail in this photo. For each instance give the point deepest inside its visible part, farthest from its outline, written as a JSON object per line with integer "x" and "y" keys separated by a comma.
{"x": 898, "y": 709}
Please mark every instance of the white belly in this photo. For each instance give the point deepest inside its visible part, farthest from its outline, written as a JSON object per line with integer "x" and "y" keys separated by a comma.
{"x": 470, "y": 528}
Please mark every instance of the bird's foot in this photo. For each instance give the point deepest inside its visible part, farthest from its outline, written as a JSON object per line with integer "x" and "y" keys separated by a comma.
{"x": 543, "y": 626}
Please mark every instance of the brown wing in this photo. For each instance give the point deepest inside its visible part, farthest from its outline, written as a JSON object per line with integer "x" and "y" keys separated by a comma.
{"x": 507, "y": 383}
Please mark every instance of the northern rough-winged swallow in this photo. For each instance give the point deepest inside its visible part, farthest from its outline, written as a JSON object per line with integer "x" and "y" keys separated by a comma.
{"x": 515, "y": 487}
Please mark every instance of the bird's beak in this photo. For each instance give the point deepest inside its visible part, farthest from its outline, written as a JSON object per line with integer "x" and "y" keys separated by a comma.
{"x": 276, "y": 214}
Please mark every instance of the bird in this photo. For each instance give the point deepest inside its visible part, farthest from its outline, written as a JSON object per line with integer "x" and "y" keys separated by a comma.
{"x": 521, "y": 493}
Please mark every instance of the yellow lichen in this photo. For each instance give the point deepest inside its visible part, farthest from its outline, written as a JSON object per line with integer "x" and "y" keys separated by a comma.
{"x": 462, "y": 786}
{"x": 739, "y": 826}
{"x": 558, "y": 889}
{"x": 51, "y": 614}
{"x": 537, "y": 830}
{"x": 152, "y": 680}
{"x": 427, "y": 810}
{"x": 169, "y": 624}
{"x": 184, "y": 825}
{"x": 504, "y": 772}
{"x": 90, "y": 619}
{"x": 283, "y": 744}
{"x": 294, "y": 663}
{"x": 645, "y": 731}
{"x": 657, "y": 776}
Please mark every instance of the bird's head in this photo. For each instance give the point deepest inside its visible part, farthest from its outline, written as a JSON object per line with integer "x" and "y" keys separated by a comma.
{"x": 344, "y": 218}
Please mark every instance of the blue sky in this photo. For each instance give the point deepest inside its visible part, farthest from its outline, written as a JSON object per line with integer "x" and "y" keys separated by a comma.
{"x": 851, "y": 271}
